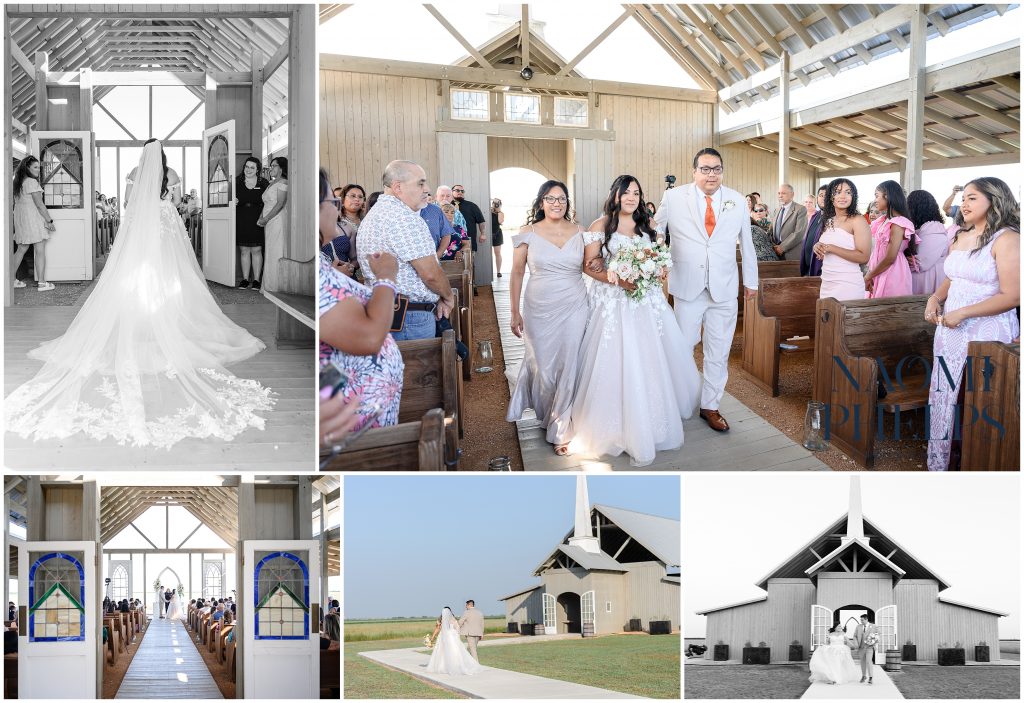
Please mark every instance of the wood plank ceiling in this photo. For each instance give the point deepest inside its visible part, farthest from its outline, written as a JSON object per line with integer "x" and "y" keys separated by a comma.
{"x": 214, "y": 506}
{"x": 120, "y": 42}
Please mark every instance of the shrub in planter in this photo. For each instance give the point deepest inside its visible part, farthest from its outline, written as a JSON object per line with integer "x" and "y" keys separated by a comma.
{"x": 796, "y": 651}
{"x": 660, "y": 627}
{"x": 634, "y": 625}
{"x": 513, "y": 627}
{"x": 526, "y": 628}
{"x": 981, "y": 652}
{"x": 761, "y": 654}
{"x": 721, "y": 652}
{"x": 910, "y": 652}
{"x": 951, "y": 656}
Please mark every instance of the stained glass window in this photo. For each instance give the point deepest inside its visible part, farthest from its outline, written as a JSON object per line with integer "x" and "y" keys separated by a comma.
{"x": 571, "y": 112}
{"x": 522, "y": 108}
{"x": 281, "y": 591}
{"x": 56, "y": 592}
{"x": 218, "y": 185}
{"x": 61, "y": 166}
{"x": 470, "y": 105}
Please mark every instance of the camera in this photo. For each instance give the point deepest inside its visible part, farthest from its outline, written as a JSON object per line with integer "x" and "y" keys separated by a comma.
{"x": 670, "y": 181}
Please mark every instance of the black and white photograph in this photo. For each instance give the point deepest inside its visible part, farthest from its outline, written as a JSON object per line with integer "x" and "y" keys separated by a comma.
{"x": 865, "y": 587}
{"x": 158, "y": 586}
{"x": 158, "y": 306}
{"x": 669, "y": 237}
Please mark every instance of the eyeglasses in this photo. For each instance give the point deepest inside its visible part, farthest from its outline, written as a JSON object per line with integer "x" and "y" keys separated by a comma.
{"x": 708, "y": 170}
{"x": 551, "y": 200}
{"x": 458, "y": 190}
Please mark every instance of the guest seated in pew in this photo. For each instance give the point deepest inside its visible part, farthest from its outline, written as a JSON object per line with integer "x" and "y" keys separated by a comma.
{"x": 330, "y": 638}
{"x": 975, "y": 303}
{"x": 763, "y": 245}
{"x": 458, "y": 234}
{"x": 931, "y": 251}
{"x": 354, "y": 324}
{"x": 844, "y": 245}
{"x": 11, "y": 638}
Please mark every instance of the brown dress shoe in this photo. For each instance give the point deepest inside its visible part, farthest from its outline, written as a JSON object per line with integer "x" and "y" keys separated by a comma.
{"x": 714, "y": 419}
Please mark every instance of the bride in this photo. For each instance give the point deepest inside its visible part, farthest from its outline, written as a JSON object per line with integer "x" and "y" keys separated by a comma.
{"x": 833, "y": 662}
{"x": 174, "y": 611}
{"x": 143, "y": 361}
{"x": 450, "y": 656}
{"x": 637, "y": 380}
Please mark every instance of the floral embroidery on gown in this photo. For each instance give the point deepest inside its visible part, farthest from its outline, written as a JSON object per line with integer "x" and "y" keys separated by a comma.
{"x": 637, "y": 377}
{"x": 972, "y": 278}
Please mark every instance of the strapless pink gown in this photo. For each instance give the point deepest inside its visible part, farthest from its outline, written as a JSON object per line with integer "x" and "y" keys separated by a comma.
{"x": 840, "y": 279}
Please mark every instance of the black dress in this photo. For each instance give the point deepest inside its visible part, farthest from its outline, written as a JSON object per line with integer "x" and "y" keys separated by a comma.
{"x": 250, "y": 207}
{"x": 496, "y": 236}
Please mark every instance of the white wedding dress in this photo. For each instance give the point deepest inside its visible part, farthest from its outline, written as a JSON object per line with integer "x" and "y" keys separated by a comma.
{"x": 174, "y": 611}
{"x": 637, "y": 379}
{"x": 834, "y": 662}
{"x": 143, "y": 361}
{"x": 450, "y": 655}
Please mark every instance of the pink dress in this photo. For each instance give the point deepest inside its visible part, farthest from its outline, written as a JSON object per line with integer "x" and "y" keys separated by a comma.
{"x": 840, "y": 279}
{"x": 896, "y": 280}
{"x": 972, "y": 279}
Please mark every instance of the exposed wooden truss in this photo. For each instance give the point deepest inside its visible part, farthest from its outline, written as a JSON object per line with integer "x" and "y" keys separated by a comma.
{"x": 135, "y": 38}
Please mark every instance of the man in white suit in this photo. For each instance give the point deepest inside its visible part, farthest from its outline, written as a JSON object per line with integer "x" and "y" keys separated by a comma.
{"x": 705, "y": 220}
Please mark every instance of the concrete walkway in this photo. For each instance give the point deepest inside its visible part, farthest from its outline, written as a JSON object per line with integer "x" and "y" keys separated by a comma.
{"x": 882, "y": 689}
{"x": 167, "y": 665}
{"x": 491, "y": 682}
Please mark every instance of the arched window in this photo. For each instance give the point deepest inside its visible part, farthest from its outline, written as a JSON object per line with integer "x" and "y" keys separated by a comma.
{"x": 119, "y": 583}
{"x": 56, "y": 593}
{"x": 218, "y": 185}
{"x": 213, "y": 580}
{"x": 60, "y": 173}
{"x": 281, "y": 590}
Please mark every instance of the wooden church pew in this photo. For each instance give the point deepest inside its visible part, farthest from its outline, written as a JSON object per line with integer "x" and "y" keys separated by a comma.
{"x": 296, "y": 303}
{"x": 859, "y": 334}
{"x": 983, "y": 449}
{"x": 765, "y": 269}
{"x": 783, "y": 308}
{"x": 407, "y": 446}
{"x": 330, "y": 672}
{"x": 460, "y": 391}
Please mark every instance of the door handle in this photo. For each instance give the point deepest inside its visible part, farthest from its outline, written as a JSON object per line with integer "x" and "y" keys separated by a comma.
{"x": 23, "y": 620}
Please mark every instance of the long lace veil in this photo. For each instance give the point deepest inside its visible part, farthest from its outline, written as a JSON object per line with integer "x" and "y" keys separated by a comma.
{"x": 448, "y": 620}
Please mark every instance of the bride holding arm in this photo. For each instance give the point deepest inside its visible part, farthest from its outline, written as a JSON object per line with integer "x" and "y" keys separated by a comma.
{"x": 450, "y": 655}
{"x": 833, "y": 663}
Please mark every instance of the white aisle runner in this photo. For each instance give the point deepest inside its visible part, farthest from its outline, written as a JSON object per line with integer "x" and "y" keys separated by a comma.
{"x": 882, "y": 688}
{"x": 168, "y": 665}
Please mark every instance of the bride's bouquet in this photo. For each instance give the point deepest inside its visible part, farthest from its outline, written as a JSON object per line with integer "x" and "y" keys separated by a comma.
{"x": 642, "y": 263}
{"x": 872, "y": 639}
{"x": 427, "y": 642}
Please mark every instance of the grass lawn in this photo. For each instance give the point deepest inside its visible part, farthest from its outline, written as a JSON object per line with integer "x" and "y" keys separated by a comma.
{"x": 957, "y": 681}
{"x": 364, "y": 630}
{"x": 637, "y": 664}
{"x": 746, "y": 681}
{"x": 365, "y": 679}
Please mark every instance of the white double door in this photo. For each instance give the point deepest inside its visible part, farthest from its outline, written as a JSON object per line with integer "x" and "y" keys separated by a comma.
{"x": 57, "y": 633}
{"x": 885, "y": 621}
{"x": 65, "y": 174}
{"x": 281, "y": 616}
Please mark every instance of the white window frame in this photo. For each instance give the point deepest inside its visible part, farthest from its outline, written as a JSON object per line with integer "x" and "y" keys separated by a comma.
{"x": 487, "y": 102}
{"x": 508, "y": 111}
{"x": 563, "y": 123}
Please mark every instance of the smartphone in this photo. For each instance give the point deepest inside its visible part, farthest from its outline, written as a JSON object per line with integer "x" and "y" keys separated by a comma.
{"x": 338, "y": 380}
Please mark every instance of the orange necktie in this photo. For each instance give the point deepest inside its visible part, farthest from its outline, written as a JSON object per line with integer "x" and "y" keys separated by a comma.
{"x": 709, "y": 216}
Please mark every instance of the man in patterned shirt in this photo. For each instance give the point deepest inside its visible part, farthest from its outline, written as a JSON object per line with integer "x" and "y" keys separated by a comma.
{"x": 393, "y": 225}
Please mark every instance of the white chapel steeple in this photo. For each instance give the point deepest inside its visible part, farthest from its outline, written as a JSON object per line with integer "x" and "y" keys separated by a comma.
{"x": 855, "y": 516}
{"x": 583, "y": 534}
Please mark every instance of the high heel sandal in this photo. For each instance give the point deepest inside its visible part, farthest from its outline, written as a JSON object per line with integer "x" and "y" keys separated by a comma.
{"x": 561, "y": 450}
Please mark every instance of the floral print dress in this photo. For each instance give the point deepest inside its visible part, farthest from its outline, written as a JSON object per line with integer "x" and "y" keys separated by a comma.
{"x": 377, "y": 377}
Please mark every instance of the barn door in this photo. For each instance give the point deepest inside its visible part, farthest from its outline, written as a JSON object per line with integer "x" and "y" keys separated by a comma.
{"x": 821, "y": 621}
{"x": 219, "y": 254}
{"x": 281, "y": 628}
{"x": 65, "y": 174}
{"x": 549, "y": 614}
{"x": 57, "y": 622}
{"x": 887, "y": 632}
{"x": 588, "y": 614}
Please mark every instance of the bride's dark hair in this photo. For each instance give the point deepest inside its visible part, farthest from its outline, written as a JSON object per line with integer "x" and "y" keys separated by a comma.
{"x": 613, "y": 206}
{"x": 163, "y": 159}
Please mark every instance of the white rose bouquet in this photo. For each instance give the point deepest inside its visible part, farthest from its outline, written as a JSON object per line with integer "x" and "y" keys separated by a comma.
{"x": 427, "y": 642}
{"x": 642, "y": 263}
{"x": 872, "y": 639}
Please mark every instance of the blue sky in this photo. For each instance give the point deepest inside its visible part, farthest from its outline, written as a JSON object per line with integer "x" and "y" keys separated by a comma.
{"x": 414, "y": 544}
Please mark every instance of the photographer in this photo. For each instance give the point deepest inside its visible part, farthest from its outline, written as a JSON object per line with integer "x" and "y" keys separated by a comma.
{"x": 497, "y": 220}
{"x": 948, "y": 208}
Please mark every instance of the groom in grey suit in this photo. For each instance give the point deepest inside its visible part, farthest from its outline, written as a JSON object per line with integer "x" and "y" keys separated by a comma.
{"x": 706, "y": 221}
{"x": 471, "y": 624}
{"x": 865, "y": 651}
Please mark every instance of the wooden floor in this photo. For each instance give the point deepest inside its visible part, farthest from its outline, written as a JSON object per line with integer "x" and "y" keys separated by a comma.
{"x": 167, "y": 665}
{"x": 287, "y": 442}
{"x": 751, "y": 444}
